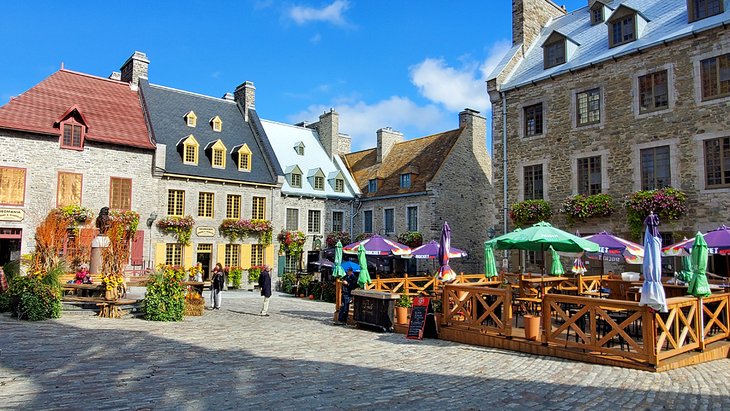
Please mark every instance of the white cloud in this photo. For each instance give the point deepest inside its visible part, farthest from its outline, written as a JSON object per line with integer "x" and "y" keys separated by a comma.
{"x": 332, "y": 13}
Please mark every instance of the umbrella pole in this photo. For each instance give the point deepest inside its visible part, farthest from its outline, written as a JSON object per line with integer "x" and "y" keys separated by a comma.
{"x": 600, "y": 280}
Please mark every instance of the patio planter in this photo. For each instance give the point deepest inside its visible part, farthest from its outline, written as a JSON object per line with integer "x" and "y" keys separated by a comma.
{"x": 532, "y": 327}
{"x": 401, "y": 315}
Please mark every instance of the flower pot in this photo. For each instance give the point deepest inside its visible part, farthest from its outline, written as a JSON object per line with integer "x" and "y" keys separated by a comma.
{"x": 532, "y": 327}
{"x": 401, "y": 315}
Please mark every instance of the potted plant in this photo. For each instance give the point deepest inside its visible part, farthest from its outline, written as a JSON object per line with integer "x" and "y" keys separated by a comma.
{"x": 401, "y": 309}
{"x": 668, "y": 203}
{"x": 529, "y": 212}
{"x": 437, "y": 312}
{"x": 581, "y": 207}
{"x": 412, "y": 239}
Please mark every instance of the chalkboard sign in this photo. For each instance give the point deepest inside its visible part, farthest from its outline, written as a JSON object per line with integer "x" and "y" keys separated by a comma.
{"x": 422, "y": 319}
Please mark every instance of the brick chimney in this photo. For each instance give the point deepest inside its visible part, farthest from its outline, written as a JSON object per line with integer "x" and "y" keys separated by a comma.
{"x": 245, "y": 96}
{"x": 529, "y": 17}
{"x": 135, "y": 67}
{"x": 387, "y": 138}
{"x": 328, "y": 128}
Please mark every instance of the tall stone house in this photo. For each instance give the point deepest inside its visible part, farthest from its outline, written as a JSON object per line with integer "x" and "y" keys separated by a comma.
{"x": 73, "y": 140}
{"x": 418, "y": 184}
{"x": 318, "y": 191}
{"x": 615, "y": 97}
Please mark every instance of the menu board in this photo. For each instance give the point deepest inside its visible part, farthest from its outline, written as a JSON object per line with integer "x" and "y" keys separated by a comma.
{"x": 421, "y": 314}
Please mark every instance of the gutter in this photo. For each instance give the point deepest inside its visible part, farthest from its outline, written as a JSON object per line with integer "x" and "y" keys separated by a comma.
{"x": 362, "y": 200}
{"x": 504, "y": 162}
{"x": 220, "y": 180}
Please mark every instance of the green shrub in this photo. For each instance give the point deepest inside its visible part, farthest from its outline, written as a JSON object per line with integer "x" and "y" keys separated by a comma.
{"x": 165, "y": 298}
{"x": 235, "y": 275}
{"x": 5, "y": 305}
{"x": 404, "y": 301}
{"x": 287, "y": 282}
{"x": 32, "y": 298}
{"x": 529, "y": 212}
{"x": 12, "y": 269}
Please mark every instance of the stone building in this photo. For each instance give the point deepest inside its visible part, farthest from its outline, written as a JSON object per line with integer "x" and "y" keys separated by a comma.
{"x": 73, "y": 140}
{"x": 615, "y": 97}
{"x": 318, "y": 190}
{"x": 416, "y": 185}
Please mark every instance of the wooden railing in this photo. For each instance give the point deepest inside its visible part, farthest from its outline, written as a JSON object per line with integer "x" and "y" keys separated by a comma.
{"x": 472, "y": 307}
{"x": 424, "y": 285}
{"x": 678, "y": 329}
{"x": 716, "y": 318}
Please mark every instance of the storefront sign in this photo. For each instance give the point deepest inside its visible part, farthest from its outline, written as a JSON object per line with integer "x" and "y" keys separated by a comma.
{"x": 205, "y": 231}
{"x": 11, "y": 214}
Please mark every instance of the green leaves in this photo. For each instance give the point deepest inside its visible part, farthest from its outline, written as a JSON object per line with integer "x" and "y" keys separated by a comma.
{"x": 580, "y": 206}
{"x": 165, "y": 298}
{"x": 529, "y": 212}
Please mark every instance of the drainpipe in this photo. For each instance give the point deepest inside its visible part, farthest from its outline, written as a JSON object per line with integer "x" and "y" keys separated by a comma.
{"x": 504, "y": 167}
{"x": 353, "y": 214}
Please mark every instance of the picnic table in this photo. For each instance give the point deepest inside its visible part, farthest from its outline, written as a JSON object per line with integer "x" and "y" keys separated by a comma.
{"x": 84, "y": 290}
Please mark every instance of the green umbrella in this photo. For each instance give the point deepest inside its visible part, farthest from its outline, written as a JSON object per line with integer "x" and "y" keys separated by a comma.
{"x": 338, "y": 271}
{"x": 364, "y": 277}
{"x": 686, "y": 273}
{"x": 490, "y": 266}
{"x": 556, "y": 267}
{"x": 541, "y": 236}
{"x": 698, "y": 285}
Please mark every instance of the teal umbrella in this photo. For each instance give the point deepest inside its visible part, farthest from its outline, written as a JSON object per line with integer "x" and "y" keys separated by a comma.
{"x": 541, "y": 236}
{"x": 490, "y": 266}
{"x": 364, "y": 277}
{"x": 338, "y": 271}
{"x": 698, "y": 285}
{"x": 556, "y": 267}
{"x": 686, "y": 273}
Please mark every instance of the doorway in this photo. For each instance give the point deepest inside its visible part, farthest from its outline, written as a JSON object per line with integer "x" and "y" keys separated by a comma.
{"x": 9, "y": 244}
{"x": 203, "y": 257}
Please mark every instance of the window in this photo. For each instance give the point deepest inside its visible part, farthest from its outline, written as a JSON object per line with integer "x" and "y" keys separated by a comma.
{"x": 191, "y": 154}
{"x": 292, "y": 219}
{"x": 72, "y": 135}
{"x": 205, "y": 205}
{"x": 389, "y": 217}
{"x": 12, "y": 186}
{"x": 339, "y": 185}
{"x": 216, "y": 123}
{"x": 655, "y": 169}
{"x": 292, "y": 263}
{"x": 205, "y": 248}
{"x": 299, "y": 149}
{"x": 338, "y": 220}
{"x": 597, "y": 14}
{"x": 232, "y": 256}
{"x": 314, "y": 222}
{"x": 176, "y": 203}
{"x": 257, "y": 254}
{"x": 653, "y": 92}
{"x": 296, "y": 180}
{"x": 700, "y": 9}
{"x": 318, "y": 183}
{"x": 219, "y": 158}
{"x": 173, "y": 254}
{"x": 533, "y": 180}
{"x": 405, "y": 180}
{"x": 622, "y": 31}
{"x": 588, "y": 107}
{"x": 554, "y": 54}
{"x": 120, "y": 193}
{"x": 589, "y": 175}
{"x": 367, "y": 221}
{"x": 233, "y": 206}
{"x": 412, "y": 218}
{"x": 533, "y": 258}
{"x": 258, "y": 208}
{"x": 191, "y": 119}
{"x": 715, "y": 77}
{"x": 533, "y": 120}
{"x": 244, "y": 158}
{"x": 69, "y": 189}
{"x": 717, "y": 162}
{"x": 372, "y": 185}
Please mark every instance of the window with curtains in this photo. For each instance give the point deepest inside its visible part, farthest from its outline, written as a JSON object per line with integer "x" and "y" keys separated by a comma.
{"x": 69, "y": 189}
{"x": 12, "y": 186}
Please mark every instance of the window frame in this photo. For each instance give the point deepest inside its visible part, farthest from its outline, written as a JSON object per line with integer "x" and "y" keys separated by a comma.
{"x": 73, "y": 124}
{"x": 693, "y": 12}
{"x": 530, "y": 112}
{"x": 584, "y": 175}
{"x": 599, "y": 101}
{"x": 366, "y": 221}
{"x": 389, "y": 230}
{"x": 621, "y": 22}
{"x": 535, "y": 185}
{"x": 598, "y": 7}
{"x": 311, "y": 221}
{"x": 651, "y": 92}
{"x": 557, "y": 48}
{"x": 298, "y": 182}
{"x": 233, "y": 206}
{"x": 173, "y": 254}
{"x": 177, "y": 202}
{"x": 231, "y": 255}
{"x": 717, "y": 81}
{"x": 58, "y": 187}
{"x": 341, "y": 223}
{"x": 206, "y": 205}
{"x": 410, "y": 224}
{"x": 191, "y": 119}
{"x": 289, "y": 212}
{"x": 339, "y": 185}
{"x": 373, "y": 185}
{"x": 405, "y": 180}
{"x": 25, "y": 180}
{"x": 705, "y": 176}
{"x": 112, "y": 180}
{"x": 318, "y": 183}
{"x": 218, "y": 153}
{"x": 258, "y": 208}
{"x": 654, "y": 150}
{"x": 217, "y": 124}
{"x": 257, "y": 254}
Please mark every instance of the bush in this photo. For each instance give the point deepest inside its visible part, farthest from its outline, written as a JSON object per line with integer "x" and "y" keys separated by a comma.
{"x": 235, "y": 275}
{"x": 5, "y": 305}
{"x": 580, "y": 207}
{"x": 287, "y": 282}
{"x": 165, "y": 298}
{"x": 404, "y": 301}
{"x": 33, "y": 298}
{"x": 529, "y": 212}
{"x": 668, "y": 203}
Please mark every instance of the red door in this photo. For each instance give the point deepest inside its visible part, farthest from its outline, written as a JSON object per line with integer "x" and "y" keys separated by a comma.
{"x": 138, "y": 249}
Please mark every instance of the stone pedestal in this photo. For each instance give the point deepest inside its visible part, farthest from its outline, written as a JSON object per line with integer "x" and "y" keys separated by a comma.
{"x": 99, "y": 243}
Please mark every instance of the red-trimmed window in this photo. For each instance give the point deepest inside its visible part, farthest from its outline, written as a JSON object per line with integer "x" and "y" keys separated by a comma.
{"x": 72, "y": 135}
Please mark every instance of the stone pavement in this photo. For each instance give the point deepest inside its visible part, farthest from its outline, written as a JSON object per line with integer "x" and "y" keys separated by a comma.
{"x": 296, "y": 359}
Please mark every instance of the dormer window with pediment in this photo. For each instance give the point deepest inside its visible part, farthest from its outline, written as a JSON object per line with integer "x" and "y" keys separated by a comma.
{"x": 316, "y": 177}
{"x": 218, "y": 154}
{"x": 72, "y": 125}
{"x": 294, "y": 174}
{"x": 624, "y": 26}
{"x": 190, "y": 150}
{"x": 557, "y": 49}
{"x": 337, "y": 181}
{"x": 244, "y": 158}
{"x": 700, "y": 9}
{"x": 299, "y": 148}
{"x": 216, "y": 123}
{"x": 598, "y": 11}
{"x": 191, "y": 120}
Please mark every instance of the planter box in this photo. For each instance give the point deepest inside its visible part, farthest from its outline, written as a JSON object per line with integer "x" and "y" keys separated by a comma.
{"x": 374, "y": 308}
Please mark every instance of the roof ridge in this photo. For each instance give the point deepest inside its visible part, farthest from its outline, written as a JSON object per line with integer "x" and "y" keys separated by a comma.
{"x": 428, "y": 136}
{"x": 220, "y": 99}
{"x": 118, "y": 82}
{"x": 287, "y": 124}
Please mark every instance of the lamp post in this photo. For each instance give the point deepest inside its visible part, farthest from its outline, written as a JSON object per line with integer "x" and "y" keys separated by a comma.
{"x": 150, "y": 220}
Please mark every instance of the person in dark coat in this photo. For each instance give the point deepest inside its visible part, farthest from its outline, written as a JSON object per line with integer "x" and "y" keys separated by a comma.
{"x": 216, "y": 287}
{"x": 349, "y": 283}
{"x": 265, "y": 285}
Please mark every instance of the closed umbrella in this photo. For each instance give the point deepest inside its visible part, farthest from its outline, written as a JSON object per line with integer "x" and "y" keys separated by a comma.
{"x": 698, "y": 285}
{"x": 490, "y": 265}
{"x": 445, "y": 272}
{"x": 338, "y": 271}
{"x": 556, "y": 267}
{"x": 364, "y": 277}
{"x": 686, "y": 273}
{"x": 578, "y": 267}
{"x": 652, "y": 291}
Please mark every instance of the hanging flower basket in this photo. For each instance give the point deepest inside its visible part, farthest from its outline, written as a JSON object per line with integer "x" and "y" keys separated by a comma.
{"x": 180, "y": 227}
{"x": 667, "y": 203}
{"x": 239, "y": 229}
{"x": 529, "y": 212}
{"x": 581, "y": 207}
{"x": 412, "y": 239}
{"x": 292, "y": 242}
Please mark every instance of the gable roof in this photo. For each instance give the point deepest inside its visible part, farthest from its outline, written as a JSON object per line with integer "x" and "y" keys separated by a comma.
{"x": 110, "y": 108}
{"x": 166, "y": 108}
{"x": 431, "y": 150}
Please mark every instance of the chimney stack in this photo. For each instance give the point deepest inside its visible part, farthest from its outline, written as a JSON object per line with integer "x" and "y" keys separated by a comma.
{"x": 328, "y": 128}
{"x": 245, "y": 96}
{"x": 135, "y": 68}
{"x": 387, "y": 138}
{"x": 529, "y": 17}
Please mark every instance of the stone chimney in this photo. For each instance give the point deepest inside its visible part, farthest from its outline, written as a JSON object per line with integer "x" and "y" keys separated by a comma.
{"x": 387, "y": 138}
{"x": 328, "y": 128}
{"x": 529, "y": 17}
{"x": 135, "y": 67}
{"x": 245, "y": 96}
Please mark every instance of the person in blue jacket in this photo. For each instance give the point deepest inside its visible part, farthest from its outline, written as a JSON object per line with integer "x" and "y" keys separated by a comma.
{"x": 349, "y": 283}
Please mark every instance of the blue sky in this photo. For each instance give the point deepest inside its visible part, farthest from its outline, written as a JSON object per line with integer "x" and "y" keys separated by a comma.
{"x": 409, "y": 65}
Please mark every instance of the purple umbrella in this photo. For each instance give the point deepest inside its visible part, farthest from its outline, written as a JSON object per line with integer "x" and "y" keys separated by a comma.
{"x": 377, "y": 245}
{"x": 445, "y": 272}
{"x": 432, "y": 249}
{"x": 609, "y": 244}
{"x": 718, "y": 242}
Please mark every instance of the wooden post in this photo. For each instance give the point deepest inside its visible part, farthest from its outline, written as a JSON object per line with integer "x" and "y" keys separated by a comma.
{"x": 507, "y": 312}
{"x": 338, "y": 294}
{"x": 406, "y": 288}
{"x": 699, "y": 323}
{"x": 649, "y": 335}
{"x": 545, "y": 319}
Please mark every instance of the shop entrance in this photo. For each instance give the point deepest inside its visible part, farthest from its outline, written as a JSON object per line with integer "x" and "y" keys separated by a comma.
{"x": 10, "y": 244}
{"x": 203, "y": 257}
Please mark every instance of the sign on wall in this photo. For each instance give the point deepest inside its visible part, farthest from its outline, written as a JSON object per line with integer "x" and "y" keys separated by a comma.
{"x": 11, "y": 214}
{"x": 205, "y": 231}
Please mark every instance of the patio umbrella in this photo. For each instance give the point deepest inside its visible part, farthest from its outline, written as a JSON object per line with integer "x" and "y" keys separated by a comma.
{"x": 377, "y": 245}
{"x": 686, "y": 273}
{"x": 445, "y": 272}
{"x": 323, "y": 262}
{"x": 718, "y": 242}
{"x": 539, "y": 237}
{"x": 431, "y": 250}
{"x": 338, "y": 271}
{"x": 556, "y": 267}
{"x": 698, "y": 285}
{"x": 612, "y": 245}
{"x": 490, "y": 265}
{"x": 351, "y": 265}
{"x": 652, "y": 291}
{"x": 578, "y": 267}
{"x": 364, "y": 277}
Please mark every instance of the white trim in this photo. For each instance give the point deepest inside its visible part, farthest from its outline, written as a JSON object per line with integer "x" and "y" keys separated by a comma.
{"x": 673, "y": 161}
{"x": 521, "y": 178}
{"x": 671, "y": 91}
{"x": 574, "y": 168}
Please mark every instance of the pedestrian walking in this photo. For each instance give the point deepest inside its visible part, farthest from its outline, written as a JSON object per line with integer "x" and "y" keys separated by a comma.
{"x": 349, "y": 283}
{"x": 216, "y": 286}
{"x": 265, "y": 285}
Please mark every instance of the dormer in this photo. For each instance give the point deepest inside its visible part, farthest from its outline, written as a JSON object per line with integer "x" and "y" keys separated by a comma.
{"x": 244, "y": 157}
{"x": 316, "y": 178}
{"x": 191, "y": 119}
{"x": 190, "y": 149}
{"x": 625, "y": 25}
{"x": 217, "y": 154}
{"x": 337, "y": 181}
{"x": 372, "y": 185}
{"x": 700, "y": 9}
{"x": 557, "y": 49}
{"x": 299, "y": 148}
{"x": 294, "y": 176}
{"x": 73, "y": 127}
{"x": 598, "y": 11}
{"x": 217, "y": 124}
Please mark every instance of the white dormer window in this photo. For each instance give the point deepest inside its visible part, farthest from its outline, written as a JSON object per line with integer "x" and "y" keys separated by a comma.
{"x": 624, "y": 26}
{"x": 217, "y": 124}
{"x": 191, "y": 119}
{"x": 557, "y": 49}
{"x": 318, "y": 183}
{"x": 316, "y": 179}
{"x": 296, "y": 180}
{"x": 339, "y": 185}
{"x": 299, "y": 148}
